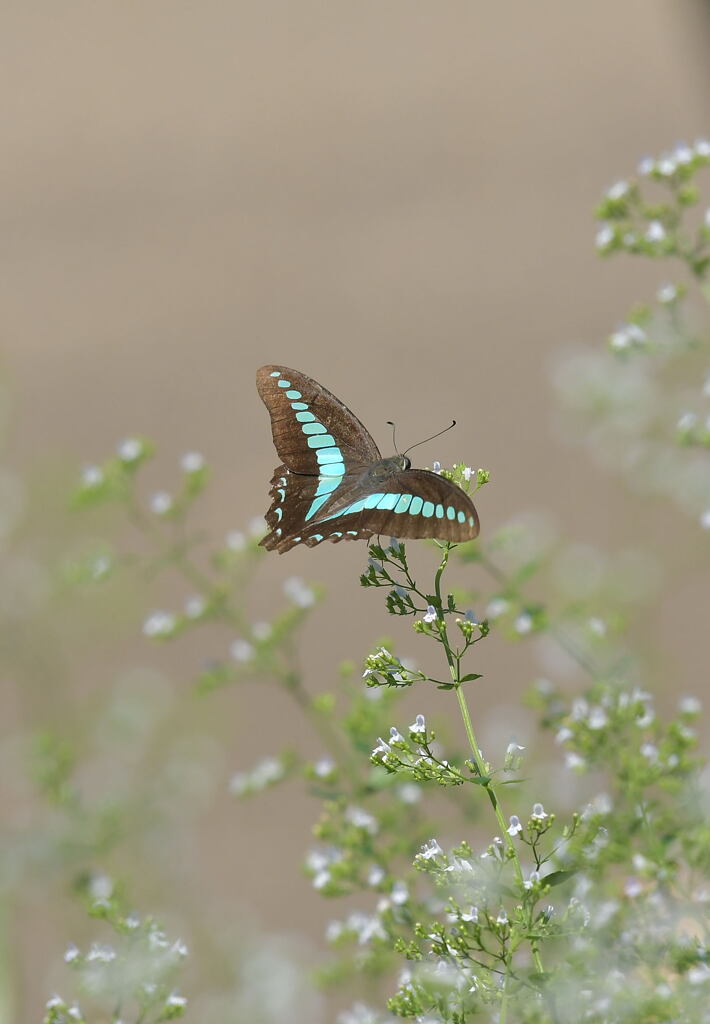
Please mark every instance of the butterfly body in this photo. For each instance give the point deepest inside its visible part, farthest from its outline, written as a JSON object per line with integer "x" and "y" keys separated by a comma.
{"x": 333, "y": 483}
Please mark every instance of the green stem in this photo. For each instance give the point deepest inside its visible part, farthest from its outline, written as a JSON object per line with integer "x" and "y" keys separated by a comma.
{"x": 454, "y": 668}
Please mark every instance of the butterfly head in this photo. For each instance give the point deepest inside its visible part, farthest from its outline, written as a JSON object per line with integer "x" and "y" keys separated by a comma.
{"x": 387, "y": 467}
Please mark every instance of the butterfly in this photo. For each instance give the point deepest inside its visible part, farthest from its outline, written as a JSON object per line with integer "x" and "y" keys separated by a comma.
{"x": 333, "y": 483}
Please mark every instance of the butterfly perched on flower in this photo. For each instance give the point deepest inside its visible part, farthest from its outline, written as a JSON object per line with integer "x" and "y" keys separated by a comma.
{"x": 333, "y": 483}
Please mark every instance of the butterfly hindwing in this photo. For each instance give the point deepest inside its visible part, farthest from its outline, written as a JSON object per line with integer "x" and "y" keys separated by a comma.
{"x": 412, "y": 503}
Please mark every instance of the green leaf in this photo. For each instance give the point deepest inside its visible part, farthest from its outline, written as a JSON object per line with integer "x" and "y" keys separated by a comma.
{"x": 558, "y": 877}
{"x": 470, "y": 677}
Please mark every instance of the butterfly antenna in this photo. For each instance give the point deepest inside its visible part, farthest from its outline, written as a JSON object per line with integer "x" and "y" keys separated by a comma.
{"x": 452, "y": 424}
{"x": 394, "y": 431}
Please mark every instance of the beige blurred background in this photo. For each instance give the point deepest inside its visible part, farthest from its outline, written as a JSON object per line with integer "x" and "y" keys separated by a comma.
{"x": 395, "y": 198}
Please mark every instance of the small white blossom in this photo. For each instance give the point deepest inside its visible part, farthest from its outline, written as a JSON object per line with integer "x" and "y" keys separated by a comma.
{"x": 362, "y": 819}
{"x": 176, "y": 1001}
{"x": 538, "y": 813}
{"x": 436, "y": 467}
{"x": 92, "y": 476}
{"x": 667, "y": 293}
{"x": 604, "y": 237}
{"x": 236, "y": 541}
{"x": 55, "y": 1003}
{"x": 324, "y": 768}
{"x": 502, "y": 917}
{"x": 698, "y": 974}
{"x": 690, "y": 705}
{"x": 375, "y": 875}
{"x": 597, "y": 718}
{"x": 71, "y": 953}
{"x": 633, "y": 888}
{"x": 702, "y": 147}
{"x": 195, "y": 606}
{"x": 159, "y": 624}
{"x": 262, "y": 630}
{"x": 132, "y": 922}
{"x": 683, "y": 154}
{"x": 514, "y": 748}
{"x": 399, "y": 894}
{"x": 74, "y": 1012}
{"x": 468, "y": 472}
{"x": 100, "y": 954}
{"x": 430, "y": 849}
{"x": 471, "y": 916}
{"x": 667, "y": 166}
{"x": 409, "y": 793}
{"x": 620, "y": 340}
{"x": 395, "y": 735}
{"x": 498, "y": 606}
{"x": 532, "y": 880}
{"x": 649, "y": 751}
{"x": 618, "y": 190}
{"x": 382, "y": 748}
{"x": 515, "y": 827}
{"x": 161, "y": 503}
{"x": 298, "y": 592}
{"x": 646, "y": 166}
{"x": 574, "y": 761}
{"x": 241, "y": 650}
{"x": 130, "y": 449}
{"x": 430, "y": 613}
{"x": 257, "y": 526}
{"x": 192, "y": 462}
{"x": 523, "y": 623}
{"x": 418, "y": 727}
{"x": 655, "y": 232}
{"x": 563, "y": 735}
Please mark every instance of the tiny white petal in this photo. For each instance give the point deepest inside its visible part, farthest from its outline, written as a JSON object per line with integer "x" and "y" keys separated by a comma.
{"x": 241, "y": 650}
{"x": 604, "y": 237}
{"x": 655, "y": 232}
{"x": 161, "y": 503}
{"x": 130, "y": 449}
{"x": 192, "y": 462}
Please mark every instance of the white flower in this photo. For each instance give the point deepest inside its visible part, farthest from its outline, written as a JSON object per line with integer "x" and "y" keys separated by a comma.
{"x": 395, "y": 735}
{"x": 159, "y": 624}
{"x": 515, "y": 827}
{"x": 514, "y": 748}
{"x": 92, "y": 476}
{"x": 620, "y": 340}
{"x": 192, "y": 462}
{"x": 502, "y": 917}
{"x": 409, "y": 793}
{"x": 176, "y": 1001}
{"x": 686, "y": 422}
{"x": 298, "y": 592}
{"x": 498, "y": 606}
{"x": 467, "y": 473}
{"x": 324, "y": 768}
{"x": 649, "y": 751}
{"x": 683, "y": 154}
{"x": 241, "y": 650}
{"x": 239, "y": 784}
{"x": 375, "y": 875}
{"x": 55, "y": 1003}
{"x": 538, "y": 813}
{"x": 382, "y": 749}
{"x": 698, "y": 974}
{"x": 574, "y": 761}
{"x": 100, "y": 954}
{"x": 667, "y": 293}
{"x": 74, "y": 1012}
{"x": 597, "y": 718}
{"x": 195, "y": 606}
{"x": 472, "y": 915}
{"x": 633, "y": 888}
{"x": 71, "y": 953}
{"x": 667, "y": 166}
{"x": 130, "y": 449}
{"x": 399, "y": 894}
{"x": 702, "y": 147}
{"x": 563, "y": 735}
{"x": 655, "y": 232}
{"x": 690, "y": 706}
{"x": 257, "y": 526}
{"x": 646, "y": 165}
{"x": 605, "y": 236}
{"x": 418, "y": 727}
{"x": 430, "y": 613}
{"x": 532, "y": 879}
{"x": 436, "y": 467}
{"x": 618, "y": 191}
{"x": 430, "y": 849}
{"x": 179, "y": 948}
{"x": 261, "y": 630}
{"x": 161, "y": 503}
{"x": 523, "y": 623}
{"x": 360, "y": 818}
{"x": 236, "y": 541}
